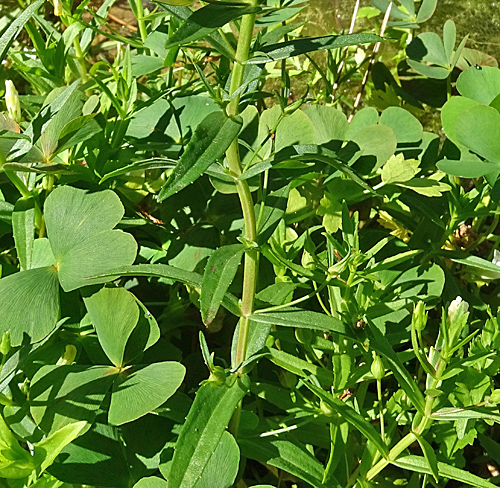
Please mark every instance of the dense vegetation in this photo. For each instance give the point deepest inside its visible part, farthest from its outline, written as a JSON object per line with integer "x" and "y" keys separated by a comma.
{"x": 233, "y": 255}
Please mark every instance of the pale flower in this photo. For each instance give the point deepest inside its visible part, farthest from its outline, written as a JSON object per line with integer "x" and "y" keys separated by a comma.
{"x": 492, "y": 275}
{"x": 12, "y": 101}
{"x": 455, "y": 306}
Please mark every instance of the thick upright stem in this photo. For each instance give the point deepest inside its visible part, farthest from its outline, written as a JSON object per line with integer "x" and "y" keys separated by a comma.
{"x": 140, "y": 20}
{"x": 245, "y": 196}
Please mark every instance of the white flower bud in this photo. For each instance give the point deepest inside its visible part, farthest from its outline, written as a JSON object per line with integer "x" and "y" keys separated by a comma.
{"x": 455, "y": 306}
{"x": 12, "y": 101}
{"x": 58, "y": 8}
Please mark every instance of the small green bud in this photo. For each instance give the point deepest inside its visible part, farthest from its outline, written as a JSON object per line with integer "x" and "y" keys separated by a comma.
{"x": 326, "y": 409}
{"x": 12, "y": 101}
{"x": 304, "y": 336}
{"x": 68, "y": 356}
{"x": 217, "y": 376}
{"x": 377, "y": 368}
{"x": 419, "y": 316}
{"x": 270, "y": 341}
{"x": 5, "y": 344}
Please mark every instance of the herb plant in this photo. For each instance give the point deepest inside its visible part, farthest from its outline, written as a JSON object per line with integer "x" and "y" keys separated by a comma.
{"x": 208, "y": 280}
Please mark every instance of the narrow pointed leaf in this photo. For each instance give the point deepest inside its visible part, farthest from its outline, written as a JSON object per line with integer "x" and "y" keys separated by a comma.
{"x": 430, "y": 456}
{"x": 15, "y": 27}
{"x": 207, "y": 420}
{"x": 419, "y": 465}
{"x": 271, "y": 213}
{"x": 285, "y": 455}
{"x": 219, "y": 274}
{"x": 284, "y": 50}
{"x": 210, "y": 141}
{"x": 204, "y": 21}
{"x": 405, "y": 380}
{"x": 294, "y": 317}
{"x": 23, "y": 228}
{"x": 351, "y": 416}
{"x": 223, "y": 466}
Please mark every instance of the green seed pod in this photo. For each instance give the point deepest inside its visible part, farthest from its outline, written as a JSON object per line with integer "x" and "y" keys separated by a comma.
{"x": 377, "y": 368}
{"x": 304, "y": 336}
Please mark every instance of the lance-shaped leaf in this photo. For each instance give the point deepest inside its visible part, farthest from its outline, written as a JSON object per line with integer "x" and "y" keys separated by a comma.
{"x": 204, "y": 21}
{"x": 419, "y": 464}
{"x": 23, "y": 228}
{"x": 294, "y": 317}
{"x": 285, "y": 455}
{"x": 207, "y": 420}
{"x": 15, "y": 27}
{"x": 283, "y": 50}
{"x": 351, "y": 416}
{"x": 210, "y": 141}
{"x": 223, "y": 466}
{"x": 219, "y": 274}
{"x": 270, "y": 213}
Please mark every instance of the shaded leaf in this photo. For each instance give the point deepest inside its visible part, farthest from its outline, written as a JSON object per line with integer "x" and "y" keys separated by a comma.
{"x": 61, "y": 395}
{"x": 138, "y": 390}
{"x": 285, "y": 455}
{"x": 219, "y": 273}
{"x": 351, "y": 416}
{"x": 79, "y": 229}
{"x": 29, "y": 304}
{"x": 114, "y": 314}
{"x": 23, "y": 229}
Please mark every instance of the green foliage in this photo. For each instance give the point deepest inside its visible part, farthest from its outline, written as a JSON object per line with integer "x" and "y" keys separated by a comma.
{"x": 335, "y": 260}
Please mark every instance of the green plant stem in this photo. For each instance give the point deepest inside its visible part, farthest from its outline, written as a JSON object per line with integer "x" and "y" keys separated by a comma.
{"x": 423, "y": 425}
{"x": 244, "y": 193}
{"x": 80, "y": 58}
{"x": 140, "y": 20}
{"x": 381, "y": 409}
{"x": 22, "y": 188}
